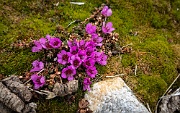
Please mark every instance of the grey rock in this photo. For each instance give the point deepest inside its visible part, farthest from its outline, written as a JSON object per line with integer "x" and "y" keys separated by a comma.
{"x": 170, "y": 103}
{"x": 113, "y": 96}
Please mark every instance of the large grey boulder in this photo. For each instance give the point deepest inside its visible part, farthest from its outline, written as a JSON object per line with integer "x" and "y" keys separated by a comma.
{"x": 113, "y": 96}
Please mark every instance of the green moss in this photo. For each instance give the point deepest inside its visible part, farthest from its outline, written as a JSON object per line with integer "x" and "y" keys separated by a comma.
{"x": 16, "y": 62}
{"x": 39, "y": 27}
{"x": 4, "y": 29}
{"x": 61, "y": 104}
{"x": 176, "y": 9}
{"x": 151, "y": 88}
{"x": 128, "y": 60}
{"x": 101, "y": 69}
{"x": 159, "y": 21}
{"x": 124, "y": 22}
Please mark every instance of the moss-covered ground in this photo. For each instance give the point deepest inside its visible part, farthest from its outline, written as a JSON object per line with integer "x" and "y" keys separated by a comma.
{"x": 151, "y": 26}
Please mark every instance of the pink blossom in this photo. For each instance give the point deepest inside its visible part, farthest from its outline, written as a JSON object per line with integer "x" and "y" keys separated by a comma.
{"x": 107, "y": 28}
{"x": 38, "y": 81}
{"x": 106, "y": 11}
{"x": 45, "y": 43}
{"x": 37, "y": 46}
{"x": 91, "y": 72}
{"x": 82, "y": 55}
{"x": 73, "y": 50}
{"x": 90, "y": 51}
{"x": 72, "y": 42}
{"x": 89, "y": 62}
{"x": 86, "y": 84}
{"x": 63, "y": 57}
{"x": 68, "y": 73}
{"x": 97, "y": 56}
{"x": 55, "y": 42}
{"x": 37, "y": 66}
{"x": 82, "y": 45}
{"x": 103, "y": 59}
{"x": 90, "y": 29}
{"x": 97, "y": 40}
{"x": 75, "y": 61}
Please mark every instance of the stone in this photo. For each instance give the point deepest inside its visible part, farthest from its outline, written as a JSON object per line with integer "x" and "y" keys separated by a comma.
{"x": 113, "y": 96}
{"x": 170, "y": 103}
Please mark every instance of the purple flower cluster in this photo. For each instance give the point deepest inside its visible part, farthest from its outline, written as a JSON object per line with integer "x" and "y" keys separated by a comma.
{"x": 46, "y": 43}
{"x": 38, "y": 81}
{"x": 80, "y": 53}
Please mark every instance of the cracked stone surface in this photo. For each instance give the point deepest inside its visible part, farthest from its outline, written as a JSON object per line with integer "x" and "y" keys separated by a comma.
{"x": 113, "y": 96}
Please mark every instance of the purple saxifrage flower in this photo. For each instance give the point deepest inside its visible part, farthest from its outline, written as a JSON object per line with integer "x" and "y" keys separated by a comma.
{"x": 106, "y": 11}
{"x": 45, "y": 42}
{"x": 82, "y": 45}
{"x": 90, "y": 44}
{"x": 103, "y": 60}
{"x": 89, "y": 62}
{"x": 38, "y": 81}
{"x": 73, "y": 50}
{"x": 37, "y": 46}
{"x": 75, "y": 61}
{"x": 72, "y": 42}
{"x": 68, "y": 73}
{"x": 63, "y": 57}
{"x": 86, "y": 84}
{"x": 97, "y": 40}
{"x": 55, "y": 42}
{"x": 97, "y": 56}
{"x": 107, "y": 28}
{"x": 91, "y": 72}
{"x": 82, "y": 55}
{"x": 48, "y": 37}
{"x": 37, "y": 66}
{"x": 90, "y": 29}
{"x": 90, "y": 51}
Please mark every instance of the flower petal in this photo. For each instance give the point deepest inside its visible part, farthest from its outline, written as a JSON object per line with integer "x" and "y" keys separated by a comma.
{"x": 34, "y": 69}
{"x": 42, "y": 80}
{"x": 36, "y": 86}
{"x": 63, "y": 75}
{"x": 109, "y": 25}
{"x": 48, "y": 37}
{"x": 43, "y": 42}
{"x": 109, "y": 12}
{"x": 70, "y": 78}
{"x": 41, "y": 65}
{"x": 35, "y": 49}
{"x": 104, "y": 30}
{"x": 34, "y": 77}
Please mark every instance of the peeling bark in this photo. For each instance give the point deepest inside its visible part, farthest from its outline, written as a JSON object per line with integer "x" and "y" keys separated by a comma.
{"x": 19, "y": 89}
{"x": 10, "y": 99}
{"x": 65, "y": 89}
{"x": 4, "y": 109}
{"x": 14, "y": 96}
{"x": 13, "y": 78}
{"x": 30, "y": 108}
